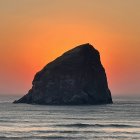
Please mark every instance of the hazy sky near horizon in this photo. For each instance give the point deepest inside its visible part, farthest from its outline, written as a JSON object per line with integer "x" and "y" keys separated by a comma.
{"x": 34, "y": 32}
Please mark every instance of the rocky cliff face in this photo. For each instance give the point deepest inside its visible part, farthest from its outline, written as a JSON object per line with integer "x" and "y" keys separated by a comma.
{"x": 77, "y": 77}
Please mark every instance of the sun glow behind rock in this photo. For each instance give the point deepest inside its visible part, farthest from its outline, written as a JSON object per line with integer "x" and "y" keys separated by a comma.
{"x": 34, "y": 33}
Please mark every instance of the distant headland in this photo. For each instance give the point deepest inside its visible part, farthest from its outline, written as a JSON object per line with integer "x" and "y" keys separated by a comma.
{"x": 75, "y": 78}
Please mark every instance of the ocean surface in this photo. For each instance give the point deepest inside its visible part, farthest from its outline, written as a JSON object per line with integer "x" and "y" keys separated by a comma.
{"x": 118, "y": 121}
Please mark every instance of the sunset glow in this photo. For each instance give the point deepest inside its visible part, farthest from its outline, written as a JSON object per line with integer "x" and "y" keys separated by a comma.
{"x": 35, "y": 32}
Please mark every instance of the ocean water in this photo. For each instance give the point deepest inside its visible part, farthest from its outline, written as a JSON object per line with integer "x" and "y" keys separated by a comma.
{"x": 118, "y": 121}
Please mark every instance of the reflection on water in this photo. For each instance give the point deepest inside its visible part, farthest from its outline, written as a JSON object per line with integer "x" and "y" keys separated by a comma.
{"x": 118, "y": 121}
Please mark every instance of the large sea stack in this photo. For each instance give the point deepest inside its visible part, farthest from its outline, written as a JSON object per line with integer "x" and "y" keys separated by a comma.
{"x": 75, "y": 78}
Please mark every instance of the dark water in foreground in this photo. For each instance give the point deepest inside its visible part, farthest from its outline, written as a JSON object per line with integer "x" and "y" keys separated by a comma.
{"x": 119, "y": 121}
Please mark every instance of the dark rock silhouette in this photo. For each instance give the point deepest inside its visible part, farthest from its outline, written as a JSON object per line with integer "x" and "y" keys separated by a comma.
{"x": 77, "y": 77}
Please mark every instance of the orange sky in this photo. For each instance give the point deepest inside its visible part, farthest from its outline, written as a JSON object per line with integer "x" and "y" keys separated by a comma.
{"x": 34, "y": 32}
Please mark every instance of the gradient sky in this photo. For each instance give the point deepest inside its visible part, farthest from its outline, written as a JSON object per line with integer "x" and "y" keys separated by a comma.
{"x": 34, "y": 32}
